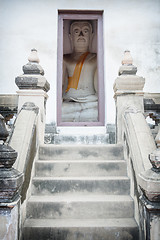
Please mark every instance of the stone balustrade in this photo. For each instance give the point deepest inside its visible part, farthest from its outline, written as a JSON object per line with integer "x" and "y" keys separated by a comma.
{"x": 8, "y": 105}
{"x": 139, "y": 146}
{"x": 10, "y": 187}
{"x": 29, "y": 125}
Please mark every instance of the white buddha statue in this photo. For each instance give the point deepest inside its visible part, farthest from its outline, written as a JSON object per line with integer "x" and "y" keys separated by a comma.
{"x": 80, "y": 101}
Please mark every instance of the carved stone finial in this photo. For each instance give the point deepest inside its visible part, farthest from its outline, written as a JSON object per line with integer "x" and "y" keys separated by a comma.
{"x": 127, "y": 67}
{"x": 155, "y": 160}
{"x": 127, "y": 59}
{"x": 157, "y": 139}
{"x": 10, "y": 179}
{"x": 7, "y": 154}
{"x": 33, "y": 57}
{"x": 3, "y": 131}
{"x": 33, "y": 75}
{"x": 33, "y": 67}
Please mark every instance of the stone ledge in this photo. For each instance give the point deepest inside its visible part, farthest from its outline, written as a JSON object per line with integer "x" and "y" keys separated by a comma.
{"x": 30, "y": 81}
{"x": 33, "y": 68}
{"x": 129, "y": 69}
{"x": 149, "y": 182}
{"x": 129, "y": 82}
{"x": 77, "y": 139}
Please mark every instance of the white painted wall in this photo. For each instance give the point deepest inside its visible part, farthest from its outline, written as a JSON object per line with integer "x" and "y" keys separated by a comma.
{"x": 128, "y": 24}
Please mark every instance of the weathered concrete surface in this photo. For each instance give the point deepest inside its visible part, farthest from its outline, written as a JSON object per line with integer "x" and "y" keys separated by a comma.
{"x": 99, "y": 185}
{"x": 53, "y": 135}
{"x": 38, "y": 98}
{"x": 80, "y": 192}
{"x": 137, "y": 130}
{"x": 76, "y": 229}
{"x": 36, "y": 81}
{"x": 155, "y": 227}
{"x": 24, "y": 141}
{"x": 9, "y": 219}
{"x": 149, "y": 219}
{"x": 80, "y": 206}
{"x": 98, "y": 152}
{"x": 22, "y": 136}
{"x": 149, "y": 182}
{"x": 81, "y": 168}
{"x": 80, "y": 139}
{"x": 10, "y": 184}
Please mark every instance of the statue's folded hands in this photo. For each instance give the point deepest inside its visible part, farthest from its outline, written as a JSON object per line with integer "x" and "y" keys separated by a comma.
{"x": 90, "y": 98}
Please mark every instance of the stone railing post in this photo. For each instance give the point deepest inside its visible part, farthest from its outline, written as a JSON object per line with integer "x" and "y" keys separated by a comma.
{"x": 150, "y": 199}
{"x": 128, "y": 88}
{"x": 10, "y": 186}
{"x": 33, "y": 87}
{"x": 149, "y": 182}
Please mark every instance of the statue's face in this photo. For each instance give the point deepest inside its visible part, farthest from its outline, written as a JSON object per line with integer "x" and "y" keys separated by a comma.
{"x": 81, "y": 35}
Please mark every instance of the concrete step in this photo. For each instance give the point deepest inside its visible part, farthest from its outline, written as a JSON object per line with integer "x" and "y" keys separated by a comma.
{"x": 81, "y": 152}
{"x": 80, "y": 139}
{"x": 80, "y": 206}
{"x": 100, "y": 185}
{"x": 80, "y": 168}
{"x": 76, "y": 229}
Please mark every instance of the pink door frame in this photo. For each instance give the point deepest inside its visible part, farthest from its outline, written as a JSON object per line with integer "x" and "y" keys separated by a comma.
{"x": 81, "y": 15}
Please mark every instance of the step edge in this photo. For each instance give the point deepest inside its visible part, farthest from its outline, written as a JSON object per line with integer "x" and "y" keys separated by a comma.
{"x": 102, "y": 198}
{"x": 82, "y": 178}
{"x": 80, "y": 161}
{"x": 81, "y": 145}
{"x": 74, "y": 223}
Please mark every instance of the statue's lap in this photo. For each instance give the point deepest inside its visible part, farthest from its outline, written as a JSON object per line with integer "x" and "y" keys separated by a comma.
{"x": 80, "y": 112}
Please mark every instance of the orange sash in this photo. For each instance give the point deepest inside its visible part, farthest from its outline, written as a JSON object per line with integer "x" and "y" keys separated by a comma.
{"x": 74, "y": 80}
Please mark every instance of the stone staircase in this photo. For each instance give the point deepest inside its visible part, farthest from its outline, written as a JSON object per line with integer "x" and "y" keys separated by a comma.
{"x": 80, "y": 192}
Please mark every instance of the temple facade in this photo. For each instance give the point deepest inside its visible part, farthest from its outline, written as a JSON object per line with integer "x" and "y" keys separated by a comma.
{"x": 127, "y": 25}
{"x": 79, "y": 120}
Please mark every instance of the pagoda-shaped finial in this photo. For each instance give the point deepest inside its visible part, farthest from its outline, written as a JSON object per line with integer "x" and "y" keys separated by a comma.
{"x": 7, "y": 154}
{"x": 33, "y": 67}
{"x": 33, "y": 74}
{"x": 127, "y": 58}
{"x": 10, "y": 179}
{"x": 33, "y": 57}
{"x": 127, "y": 67}
{"x": 157, "y": 139}
{"x": 155, "y": 160}
{"x": 3, "y": 131}
{"x": 155, "y": 156}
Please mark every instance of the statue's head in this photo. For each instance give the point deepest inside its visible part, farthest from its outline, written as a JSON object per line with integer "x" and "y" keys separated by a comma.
{"x": 81, "y": 35}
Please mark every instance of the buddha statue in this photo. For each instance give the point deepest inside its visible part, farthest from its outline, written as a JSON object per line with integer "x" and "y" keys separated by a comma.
{"x": 80, "y": 101}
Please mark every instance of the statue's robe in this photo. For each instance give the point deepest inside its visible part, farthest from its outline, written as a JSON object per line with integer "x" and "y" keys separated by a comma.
{"x": 80, "y": 102}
